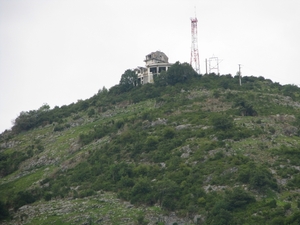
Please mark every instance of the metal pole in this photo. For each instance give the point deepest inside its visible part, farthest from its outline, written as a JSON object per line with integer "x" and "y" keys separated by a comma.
{"x": 240, "y": 74}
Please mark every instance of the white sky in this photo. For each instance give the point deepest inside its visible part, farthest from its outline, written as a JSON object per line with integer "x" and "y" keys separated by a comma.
{"x": 60, "y": 51}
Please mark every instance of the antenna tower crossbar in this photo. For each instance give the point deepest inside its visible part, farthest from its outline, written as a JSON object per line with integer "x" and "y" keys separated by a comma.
{"x": 194, "y": 49}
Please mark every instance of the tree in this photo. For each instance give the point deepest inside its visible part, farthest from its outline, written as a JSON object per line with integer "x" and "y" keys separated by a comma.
{"x": 128, "y": 80}
{"x": 103, "y": 91}
{"x": 168, "y": 133}
{"x": 290, "y": 90}
{"x": 4, "y": 213}
{"x": 25, "y": 121}
{"x": 161, "y": 79}
{"x": 23, "y": 198}
{"x": 167, "y": 192}
{"x": 151, "y": 143}
{"x": 258, "y": 177}
{"x": 237, "y": 198}
{"x": 44, "y": 107}
{"x": 142, "y": 191}
{"x": 293, "y": 219}
{"x": 222, "y": 122}
{"x": 245, "y": 108}
{"x": 221, "y": 213}
{"x": 178, "y": 73}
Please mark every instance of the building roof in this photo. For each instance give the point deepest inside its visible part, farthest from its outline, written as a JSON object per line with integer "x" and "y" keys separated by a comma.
{"x": 156, "y": 57}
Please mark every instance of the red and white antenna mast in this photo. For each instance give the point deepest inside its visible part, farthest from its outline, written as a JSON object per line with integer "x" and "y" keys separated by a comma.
{"x": 194, "y": 49}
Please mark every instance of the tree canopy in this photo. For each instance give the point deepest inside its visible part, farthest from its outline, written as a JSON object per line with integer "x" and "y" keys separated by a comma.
{"x": 128, "y": 80}
{"x": 177, "y": 73}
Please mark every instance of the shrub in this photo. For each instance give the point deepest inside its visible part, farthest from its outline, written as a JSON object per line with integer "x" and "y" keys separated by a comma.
{"x": 119, "y": 124}
{"x": 91, "y": 112}
{"x": 141, "y": 219}
{"x": 151, "y": 143}
{"x": 272, "y": 203}
{"x": 298, "y": 204}
{"x": 142, "y": 192}
{"x": 277, "y": 221}
{"x": 4, "y": 213}
{"x": 168, "y": 133}
{"x": 222, "y": 122}
{"x": 293, "y": 219}
{"x": 245, "y": 108}
{"x": 287, "y": 206}
{"x": 23, "y": 198}
{"x": 258, "y": 177}
{"x": 47, "y": 196}
{"x": 86, "y": 193}
{"x": 237, "y": 199}
{"x": 58, "y": 127}
{"x": 85, "y": 138}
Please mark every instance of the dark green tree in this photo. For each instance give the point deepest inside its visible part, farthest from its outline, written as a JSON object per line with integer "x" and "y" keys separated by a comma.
{"x": 167, "y": 192}
{"x": 4, "y": 213}
{"x": 293, "y": 219}
{"x": 128, "y": 80}
{"x": 245, "y": 108}
{"x": 160, "y": 79}
{"x": 168, "y": 133}
{"x": 237, "y": 199}
{"x": 290, "y": 90}
{"x": 142, "y": 191}
{"x": 44, "y": 107}
{"x": 222, "y": 122}
{"x": 179, "y": 73}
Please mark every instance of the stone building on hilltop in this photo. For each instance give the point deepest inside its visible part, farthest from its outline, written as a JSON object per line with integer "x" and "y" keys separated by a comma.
{"x": 156, "y": 62}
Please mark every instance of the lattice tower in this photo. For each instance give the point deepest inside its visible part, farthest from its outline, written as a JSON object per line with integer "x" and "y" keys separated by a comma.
{"x": 194, "y": 49}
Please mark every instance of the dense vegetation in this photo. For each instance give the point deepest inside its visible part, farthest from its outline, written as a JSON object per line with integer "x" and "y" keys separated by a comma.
{"x": 199, "y": 145}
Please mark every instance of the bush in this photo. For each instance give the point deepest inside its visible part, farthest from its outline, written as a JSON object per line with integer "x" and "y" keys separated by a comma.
{"x": 222, "y": 122}
{"x": 277, "y": 221}
{"x": 4, "y": 213}
{"x": 141, "y": 219}
{"x": 85, "y": 138}
{"x": 91, "y": 112}
{"x": 245, "y": 108}
{"x": 142, "y": 192}
{"x": 287, "y": 206}
{"x": 58, "y": 127}
{"x": 222, "y": 211}
{"x": 151, "y": 143}
{"x": 47, "y": 196}
{"x": 293, "y": 219}
{"x": 86, "y": 193}
{"x": 272, "y": 203}
{"x": 257, "y": 177}
{"x": 168, "y": 133}
{"x": 23, "y": 198}
{"x": 119, "y": 124}
{"x": 237, "y": 199}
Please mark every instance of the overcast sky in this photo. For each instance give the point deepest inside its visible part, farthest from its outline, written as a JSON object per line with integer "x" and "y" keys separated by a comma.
{"x": 60, "y": 51}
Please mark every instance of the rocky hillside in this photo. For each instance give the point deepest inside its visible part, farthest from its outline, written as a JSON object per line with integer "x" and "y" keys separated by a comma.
{"x": 189, "y": 149}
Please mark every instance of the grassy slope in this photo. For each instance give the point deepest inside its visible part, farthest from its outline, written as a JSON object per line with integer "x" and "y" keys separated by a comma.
{"x": 194, "y": 154}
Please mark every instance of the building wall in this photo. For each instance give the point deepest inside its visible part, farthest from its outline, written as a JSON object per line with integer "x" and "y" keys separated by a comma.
{"x": 156, "y": 62}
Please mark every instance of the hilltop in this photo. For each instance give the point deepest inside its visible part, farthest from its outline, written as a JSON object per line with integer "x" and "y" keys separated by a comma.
{"x": 188, "y": 149}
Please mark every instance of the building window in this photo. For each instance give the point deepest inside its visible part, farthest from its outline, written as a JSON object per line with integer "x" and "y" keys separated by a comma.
{"x": 153, "y": 70}
{"x": 160, "y": 69}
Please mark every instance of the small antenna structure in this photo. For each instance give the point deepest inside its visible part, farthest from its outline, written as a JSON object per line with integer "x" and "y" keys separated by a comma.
{"x": 214, "y": 65}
